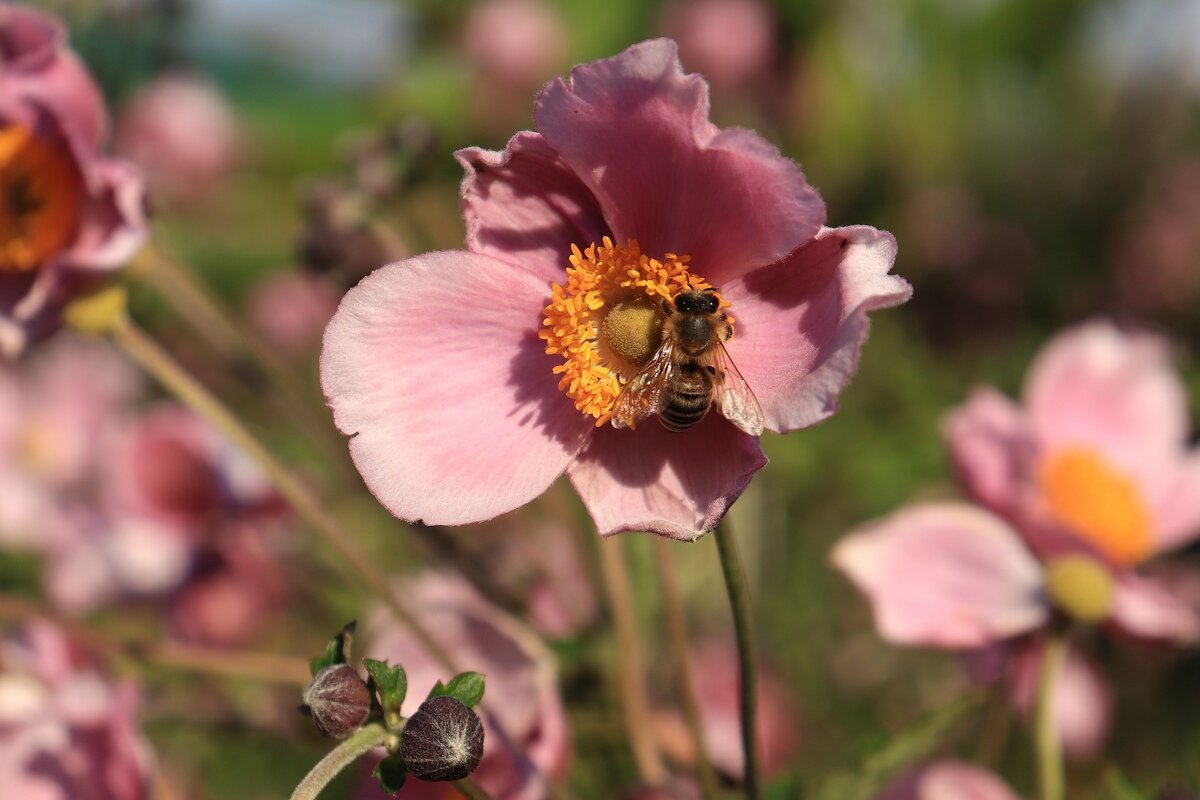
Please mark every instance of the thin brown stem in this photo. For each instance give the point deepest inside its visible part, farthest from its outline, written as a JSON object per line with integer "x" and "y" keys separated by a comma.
{"x": 743, "y": 624}
{"x": 628, "y": 663}
{"x": 678, "y": 645}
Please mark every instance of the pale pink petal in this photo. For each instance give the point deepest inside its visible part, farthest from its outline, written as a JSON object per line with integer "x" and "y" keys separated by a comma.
{"x": 801, "y": 324}
{"x": 1176, "y": 506}
{"x": 113, "y": 225}
{"x": 525, "y": 205}
{"x": 635, "y": 128}
{"x": 38, "y": 66}
{"x": 433, "y": 365}
{"x": 1082, "y": 701}
{"x": 949, "y": 780}
{"x": 1155, "y": 608}
{"x": 945, "y": 575}
{"x": 674, "y": 484}
{"x": 1097, "y": 387}
{"x": 991, "y": 446}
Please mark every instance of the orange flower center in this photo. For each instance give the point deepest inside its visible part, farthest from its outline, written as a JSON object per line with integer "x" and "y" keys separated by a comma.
{"x": 1097, "y": 503}
{"x": 606, "y": 320}
{"x": 40, "y": 194}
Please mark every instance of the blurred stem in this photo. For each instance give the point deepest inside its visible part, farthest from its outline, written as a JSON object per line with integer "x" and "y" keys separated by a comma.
{"x": 251, "y": 359}
{"x": 471, "y": 790}
{"x": 677, "y": 639}
{"x": 146, "y": 353}
{"x": 340, "y": 757}
{"x": 628, "y": 663}
{"x": 1047, "y": 744}
{"x": 743, "y": 624}
{"x": 236, "y": 664}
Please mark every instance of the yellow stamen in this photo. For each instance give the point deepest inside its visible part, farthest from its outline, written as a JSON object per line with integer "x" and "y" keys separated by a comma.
{"x": 606, "y": 320}
{"x": 1097, "y": 503}
{"x": 40, "y": 194}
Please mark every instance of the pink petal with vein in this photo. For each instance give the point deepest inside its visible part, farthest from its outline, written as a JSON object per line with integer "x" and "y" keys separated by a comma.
{"x": 944, "y": 575}
{"x": 525, "y": 205}
{"x": 433, "y": 365}
{"x": 674, "y": 484}
{"x": 635, "y": 129}
{"x": 801, "y": 324}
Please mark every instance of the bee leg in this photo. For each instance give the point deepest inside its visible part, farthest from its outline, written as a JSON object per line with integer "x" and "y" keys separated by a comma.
{"x": 666, "y": 307}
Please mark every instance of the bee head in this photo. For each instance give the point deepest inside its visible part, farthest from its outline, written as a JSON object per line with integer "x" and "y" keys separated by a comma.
{"x": 697, "y": 302}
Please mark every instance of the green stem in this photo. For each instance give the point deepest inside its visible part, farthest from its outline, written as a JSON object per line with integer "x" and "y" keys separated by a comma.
{"x": 1047, "y": 743}
{"x": 338, "y": 759}
{"x": 743, "y": 624}
{"x": 145, "y": 352}
{"x": 677, "y": 639}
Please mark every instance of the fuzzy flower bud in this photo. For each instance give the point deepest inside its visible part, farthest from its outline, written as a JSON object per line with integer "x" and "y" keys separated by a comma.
{"x": 443, "y": 741}
{"x": 338, "y": 700}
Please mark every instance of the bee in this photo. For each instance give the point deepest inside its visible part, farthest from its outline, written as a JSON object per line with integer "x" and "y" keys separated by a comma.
{"x": 690, "y": 372}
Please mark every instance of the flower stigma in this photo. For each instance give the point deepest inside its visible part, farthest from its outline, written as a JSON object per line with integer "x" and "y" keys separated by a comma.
{"x": 40, "y": 193}
{"x": 1097, "y": 503}
{"x": 606, "y": 320}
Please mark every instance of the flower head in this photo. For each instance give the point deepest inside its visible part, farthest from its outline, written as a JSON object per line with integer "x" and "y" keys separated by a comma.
{"x": 470, "y": 380}
{"x": 69, "y": 214}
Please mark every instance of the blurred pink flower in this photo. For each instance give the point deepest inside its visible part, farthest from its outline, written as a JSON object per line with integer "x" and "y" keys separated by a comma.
{"x": 290, "y": 310}
{"x": 526, "y": 739}
{"x": 731, "y": 41}
{"x": 183, "y": 134}
{"x": 72, "y": 215}
{"x": 716, "y": 685}
{"x": 56, "y": 410}
{"x": 948, "y": 780}
{"x": 460, "y": 412}
{"x": 65, "y": 730}
{"x": 1089, "y": 478}
{"x": 515, "y": 43}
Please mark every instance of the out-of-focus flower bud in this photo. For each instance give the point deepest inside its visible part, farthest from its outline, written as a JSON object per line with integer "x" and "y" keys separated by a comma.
{"x": 338, "y": 701}
{"x": 443, "y": 741}
{"x": 730, "y": 41}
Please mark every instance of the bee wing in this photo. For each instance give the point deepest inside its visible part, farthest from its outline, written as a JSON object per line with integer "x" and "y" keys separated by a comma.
{"x": 734, "y": 397}
{"x": 643, "y": 395}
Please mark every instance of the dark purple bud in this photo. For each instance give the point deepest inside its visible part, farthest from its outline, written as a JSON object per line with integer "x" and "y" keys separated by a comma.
{"x": 338, "y": 700}
{"x": 443, "y": 741}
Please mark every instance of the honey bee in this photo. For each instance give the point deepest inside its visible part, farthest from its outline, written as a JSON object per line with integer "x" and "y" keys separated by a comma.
{"x": 690, "y": 372}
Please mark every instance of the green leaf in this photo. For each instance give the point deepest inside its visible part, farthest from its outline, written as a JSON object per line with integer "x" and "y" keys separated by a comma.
{"x": 869, "y": 779}
{"x": 391, "y": 684}
{"x": 391, "y": 773}
{"x": 335, "y": 651}
{"x": 466, "y": 688}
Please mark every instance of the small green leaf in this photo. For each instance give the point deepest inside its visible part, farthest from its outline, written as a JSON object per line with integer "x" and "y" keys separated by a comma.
{"x": 391, "y": 684}
{"x": 391, "y": 773}
{"x": 466, "y": 688}
{"x": 335, "y": 651}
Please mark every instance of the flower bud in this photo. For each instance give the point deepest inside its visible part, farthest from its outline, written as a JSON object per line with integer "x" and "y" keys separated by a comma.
{"x": 338, "y": 700}
{"x": 1080, "y": 586}
{"x": 443, "y": 741}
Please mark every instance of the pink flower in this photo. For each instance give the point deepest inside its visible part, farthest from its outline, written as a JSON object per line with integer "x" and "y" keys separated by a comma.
{"x": 730, "y": 41}
{"x": 948, "y": 780}
{"x": 526, "y": 741}
{"x": 72, "y": 216}
{"x": 470, "y": 380}
{"x": 515, "y": 43}
{"x": 65, "y": 729}
{"x": 1089, "y": 478}
{"x": 716, "y": 685}
{"x": 290, "y": 309}
{"x": 181, "y": 131}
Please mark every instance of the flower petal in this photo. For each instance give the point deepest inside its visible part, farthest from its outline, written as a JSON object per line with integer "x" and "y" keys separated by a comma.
{"x": 1150, "y": 607}
{"x": 526, "y": 206}
{"x": 944, "y": 575}
{"x": 801, "y": 323}
{"x": 674, "y": 484}
{"x": 1082, "y": 701}
{"x": 991, "y": 447}
{"x": 1116, "y": 392}
{"x": 433, "y": 365}
{"x": 635, "y": 128}
{"x": 113, "y": 224}
{"x": 949, "y": 780}
{"x": 1177, "y": 506}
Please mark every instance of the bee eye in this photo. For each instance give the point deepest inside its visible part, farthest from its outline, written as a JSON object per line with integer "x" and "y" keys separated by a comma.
{"x": 710, "y": 303}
